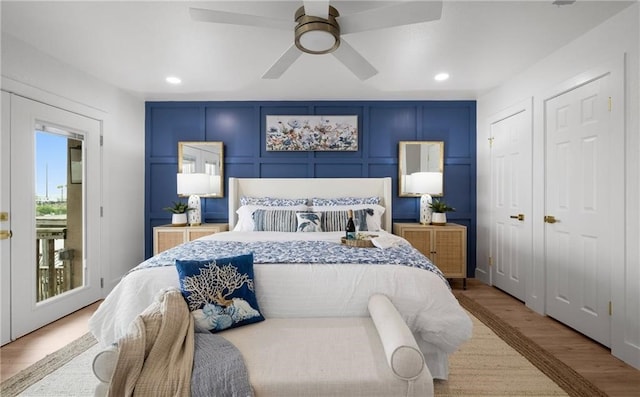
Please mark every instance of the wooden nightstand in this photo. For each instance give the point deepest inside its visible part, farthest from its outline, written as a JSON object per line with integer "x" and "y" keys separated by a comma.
{"x": 445, "y": 246}
{"x": 168, "y": 236}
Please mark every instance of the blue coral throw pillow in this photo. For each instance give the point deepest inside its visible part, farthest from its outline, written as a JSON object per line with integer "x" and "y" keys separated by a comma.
{"x": 220, "y": 292}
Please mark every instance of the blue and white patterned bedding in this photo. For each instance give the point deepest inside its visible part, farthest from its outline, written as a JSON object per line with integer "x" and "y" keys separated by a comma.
{"x": 312, "y": 252}
{"x": 334, "y": 285}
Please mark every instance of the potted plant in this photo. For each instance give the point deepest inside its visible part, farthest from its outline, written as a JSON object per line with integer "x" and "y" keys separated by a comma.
{"x": 179, "y": 211}
{"x": 440, "y": 209}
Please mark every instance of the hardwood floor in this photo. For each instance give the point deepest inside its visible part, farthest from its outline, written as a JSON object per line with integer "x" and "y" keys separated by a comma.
{"x": 590, "y": 359}
{"x": 25, "y": 351}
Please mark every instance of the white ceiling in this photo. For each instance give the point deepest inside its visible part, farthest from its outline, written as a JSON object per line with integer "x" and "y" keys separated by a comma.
{"x": 135, "y": 45}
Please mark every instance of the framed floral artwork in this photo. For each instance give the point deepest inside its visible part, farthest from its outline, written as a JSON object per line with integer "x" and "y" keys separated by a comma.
{"x": 312, "y": 133}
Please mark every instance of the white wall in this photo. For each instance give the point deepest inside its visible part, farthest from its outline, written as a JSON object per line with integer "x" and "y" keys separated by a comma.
{"x": 29, "y": 72}
{"x": 614, "y": 41}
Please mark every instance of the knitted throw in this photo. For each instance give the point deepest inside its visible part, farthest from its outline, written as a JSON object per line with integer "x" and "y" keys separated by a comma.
{"x": 156, "y": 355}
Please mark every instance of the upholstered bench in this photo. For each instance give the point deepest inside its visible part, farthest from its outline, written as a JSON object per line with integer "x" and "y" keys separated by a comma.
{"x": 346, "y": 356}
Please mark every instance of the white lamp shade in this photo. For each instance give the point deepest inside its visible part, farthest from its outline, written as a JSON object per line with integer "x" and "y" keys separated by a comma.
{"x": 198, "y": 183}
{"x": 425, "y": 182}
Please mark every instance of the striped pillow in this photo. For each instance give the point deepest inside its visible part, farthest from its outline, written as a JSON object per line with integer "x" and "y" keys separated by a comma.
{"x": 275, "y": 221}
{"x": 335, "y": 221}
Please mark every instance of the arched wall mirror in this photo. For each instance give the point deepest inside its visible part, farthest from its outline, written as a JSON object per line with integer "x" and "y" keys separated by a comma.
{"x": 420, "y": 168}
{"x": 206, "y": 159}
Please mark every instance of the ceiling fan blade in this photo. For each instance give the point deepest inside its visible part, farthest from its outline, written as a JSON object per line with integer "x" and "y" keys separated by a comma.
{"x": 354, "y": 61}
{"x": 232, "y": 18}
{"x": 283, "y": 63}
{"x": 317, "y": 8}
{"x": 405, "y": 13}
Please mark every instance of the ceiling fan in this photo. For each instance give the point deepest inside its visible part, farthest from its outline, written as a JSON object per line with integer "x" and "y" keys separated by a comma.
{"x": 318, "y": 29}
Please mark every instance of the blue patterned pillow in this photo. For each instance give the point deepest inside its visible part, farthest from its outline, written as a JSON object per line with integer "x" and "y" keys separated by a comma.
{"x": 272, "y": 202}
{"x": 345, "y": 201}
{"x": 220, "y": 292}
{"x": 309, "y": 221}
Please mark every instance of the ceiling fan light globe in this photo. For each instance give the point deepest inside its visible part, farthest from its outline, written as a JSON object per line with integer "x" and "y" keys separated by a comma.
{"x": 315, "y": 35}
{"x": 317, "y": 41}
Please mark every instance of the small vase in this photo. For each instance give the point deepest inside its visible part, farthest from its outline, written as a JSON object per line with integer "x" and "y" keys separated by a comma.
{"x": 179, "y": 219}
{"x": 439, "y": 218}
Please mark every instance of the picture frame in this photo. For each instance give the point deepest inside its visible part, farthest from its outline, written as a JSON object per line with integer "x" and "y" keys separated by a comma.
{"x": 312, "y": 133}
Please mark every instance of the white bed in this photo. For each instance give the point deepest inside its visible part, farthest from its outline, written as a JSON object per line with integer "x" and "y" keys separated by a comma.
{"x": 424, "y": 300}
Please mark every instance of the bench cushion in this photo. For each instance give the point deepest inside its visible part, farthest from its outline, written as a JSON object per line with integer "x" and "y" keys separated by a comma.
{"x": 321, "y": 357}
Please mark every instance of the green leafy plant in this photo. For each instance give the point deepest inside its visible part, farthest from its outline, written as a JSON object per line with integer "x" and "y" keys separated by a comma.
{"x": 178, "y": 208}
{"x": 440, "y": 206}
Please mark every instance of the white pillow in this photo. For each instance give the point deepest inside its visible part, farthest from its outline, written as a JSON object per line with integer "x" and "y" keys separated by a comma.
{"x": 403, "y": 354}
{"x": 245, "y": 215}
{"x": 104, "y": 363}
{"x": 374, "y": 222}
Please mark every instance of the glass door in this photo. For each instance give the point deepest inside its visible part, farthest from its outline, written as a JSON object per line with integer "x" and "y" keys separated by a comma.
{"x": 55, "y": 204}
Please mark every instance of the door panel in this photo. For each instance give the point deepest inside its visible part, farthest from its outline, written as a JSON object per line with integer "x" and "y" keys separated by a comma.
{"x": 578, "y": 190}
{"x": 5, "y": 225}
{"x": 54, "y": 262}
{"x": 511, "y": 230}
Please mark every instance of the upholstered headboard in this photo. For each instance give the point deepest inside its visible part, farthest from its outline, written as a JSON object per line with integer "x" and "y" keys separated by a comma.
{"x": 309, "y": 188}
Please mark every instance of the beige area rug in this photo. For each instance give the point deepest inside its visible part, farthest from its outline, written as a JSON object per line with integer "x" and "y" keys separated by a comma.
{"x": 488, "y": 366}
{"x": 67, "y": 372}
{"x": 485, "y": 366}
{"x": 567, "y": 378}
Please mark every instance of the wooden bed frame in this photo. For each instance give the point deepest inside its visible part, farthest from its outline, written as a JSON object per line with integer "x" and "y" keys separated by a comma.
{"x": 309, "y": 188}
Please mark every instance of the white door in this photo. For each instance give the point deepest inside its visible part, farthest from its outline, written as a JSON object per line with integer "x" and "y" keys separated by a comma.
{"x": 579, "y": 196}
{"x": 5, "y": 225}
{"x": 54, "y": 211}
{"x": 511, "y": 181}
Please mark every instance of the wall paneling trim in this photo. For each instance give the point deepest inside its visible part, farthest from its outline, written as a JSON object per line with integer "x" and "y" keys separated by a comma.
{"x": 381, "y": 125}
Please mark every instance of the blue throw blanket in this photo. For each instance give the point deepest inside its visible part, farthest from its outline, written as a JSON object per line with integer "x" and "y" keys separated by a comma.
{"x": 218, "y": 369}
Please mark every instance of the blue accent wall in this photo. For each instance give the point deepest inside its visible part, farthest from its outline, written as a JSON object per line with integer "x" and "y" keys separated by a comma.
{"x": 381, "y": 125}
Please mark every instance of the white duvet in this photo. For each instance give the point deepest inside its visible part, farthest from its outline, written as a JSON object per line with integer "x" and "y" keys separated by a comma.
{"x": 303, "y": 290}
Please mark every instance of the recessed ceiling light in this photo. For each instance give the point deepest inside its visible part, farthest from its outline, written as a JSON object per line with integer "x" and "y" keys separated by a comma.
{"x": 173, "y": 80}
{"x": 441, "y": 76}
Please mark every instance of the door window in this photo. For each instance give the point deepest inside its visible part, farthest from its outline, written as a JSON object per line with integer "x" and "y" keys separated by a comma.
{"x": 59, "y": 211}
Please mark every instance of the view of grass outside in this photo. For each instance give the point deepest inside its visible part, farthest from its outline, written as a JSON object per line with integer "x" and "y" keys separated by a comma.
{"x": 51, "y": 208}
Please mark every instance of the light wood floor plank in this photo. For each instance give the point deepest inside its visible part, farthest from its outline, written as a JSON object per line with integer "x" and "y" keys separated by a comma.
{"x": 588, "y": 358}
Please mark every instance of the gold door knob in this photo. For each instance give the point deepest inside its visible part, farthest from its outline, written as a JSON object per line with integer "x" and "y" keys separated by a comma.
{"x": 519, "y": 217}
{"x": 550, "y": 219}
{"x": 5, "y": 234}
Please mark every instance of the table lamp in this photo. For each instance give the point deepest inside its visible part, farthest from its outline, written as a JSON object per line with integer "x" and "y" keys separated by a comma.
{"x": 426, "y": 184}
{"x": 194, "y": 185}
